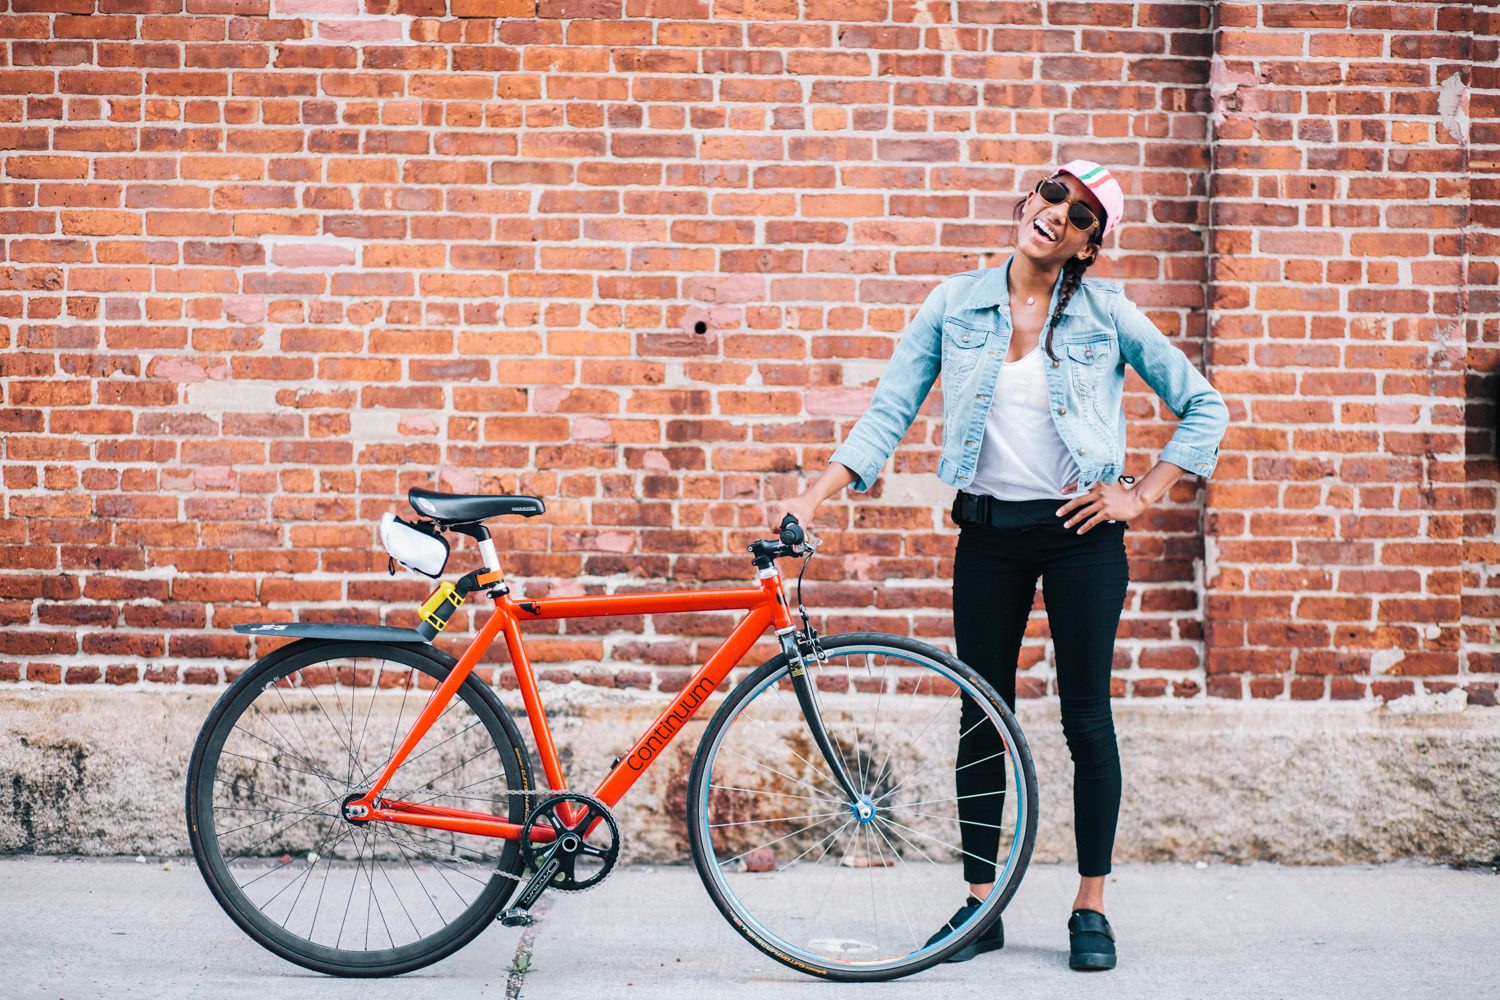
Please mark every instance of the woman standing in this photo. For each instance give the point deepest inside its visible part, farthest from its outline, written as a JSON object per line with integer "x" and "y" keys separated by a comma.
{"x": 1033, "y": 362}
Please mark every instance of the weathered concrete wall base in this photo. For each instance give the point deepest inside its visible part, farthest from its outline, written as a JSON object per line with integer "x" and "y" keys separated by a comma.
{"x": 102, "y": 773}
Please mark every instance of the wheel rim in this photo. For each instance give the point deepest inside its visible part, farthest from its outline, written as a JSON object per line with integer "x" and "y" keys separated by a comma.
{"x": 286, "y": 755}
{"x": 864, "y": 885}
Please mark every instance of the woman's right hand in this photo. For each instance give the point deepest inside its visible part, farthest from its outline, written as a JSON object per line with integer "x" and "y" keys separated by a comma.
{"x": 802, "y": 508}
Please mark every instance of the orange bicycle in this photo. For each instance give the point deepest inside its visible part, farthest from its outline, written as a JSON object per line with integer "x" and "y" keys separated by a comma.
{"x": 361, "y": 804}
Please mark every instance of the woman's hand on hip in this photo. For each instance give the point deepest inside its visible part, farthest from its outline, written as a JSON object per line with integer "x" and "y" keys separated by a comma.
{"x": 1104, "y": 502}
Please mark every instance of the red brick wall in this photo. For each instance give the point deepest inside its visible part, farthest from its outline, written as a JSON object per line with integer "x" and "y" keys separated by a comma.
{"x": 269, "y": 263}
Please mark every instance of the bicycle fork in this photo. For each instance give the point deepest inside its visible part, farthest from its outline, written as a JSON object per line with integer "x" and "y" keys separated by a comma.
{"x": 802, "y": 683}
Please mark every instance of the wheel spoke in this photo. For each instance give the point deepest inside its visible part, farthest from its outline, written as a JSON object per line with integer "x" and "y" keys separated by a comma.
{"x": 864, "y": 780}
{"x": 405, "y": 857}
{"x": 250, "y": 851}
{"x": 780, "y": 774}
{"x": 292, "y": 718}
{"x": 773, "y": 819}
{"x": 907, "y": 780}
{"x": 955, "y": 819}
{"x": 769, "y": 843}
{"x": 927, "y": 836}
{"x": 900, "y": 902}
{"x": 829, "y": 838}
{"x": 951, "y": 798}
{"x": 325, "y": 777}
{"x": 439, "y": 866}
{"x": 772, "y": 791}
{"x": 279, "y": 815}
{"x": 374, "y": 688}
{"x": 337, "y": 732}
{"x": 272, "y": 763}
{"x": 416, "y": 757}
{"x": 797, "y": 710}
{"x": 918, "y": 738}
{"x": 330, "y": 840}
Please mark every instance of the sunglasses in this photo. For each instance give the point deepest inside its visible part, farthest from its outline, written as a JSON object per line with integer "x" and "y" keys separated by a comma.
{"x": 1055, "y": 192}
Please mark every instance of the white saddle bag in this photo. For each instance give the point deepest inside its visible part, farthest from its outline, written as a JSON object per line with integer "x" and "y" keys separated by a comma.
{"x": 415, "y": 546}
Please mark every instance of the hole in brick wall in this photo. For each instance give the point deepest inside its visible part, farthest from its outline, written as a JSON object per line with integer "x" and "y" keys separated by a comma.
{"x": 700, "y": 327}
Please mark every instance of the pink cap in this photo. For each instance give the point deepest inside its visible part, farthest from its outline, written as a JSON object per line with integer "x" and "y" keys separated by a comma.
{"x": 1103, "y": 184}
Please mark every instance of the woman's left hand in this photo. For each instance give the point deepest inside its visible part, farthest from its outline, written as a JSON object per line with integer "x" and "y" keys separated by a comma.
{"x": 1104, "y": 502}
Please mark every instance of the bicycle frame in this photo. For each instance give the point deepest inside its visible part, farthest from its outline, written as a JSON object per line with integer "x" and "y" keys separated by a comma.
{"x": 764, "y": 605}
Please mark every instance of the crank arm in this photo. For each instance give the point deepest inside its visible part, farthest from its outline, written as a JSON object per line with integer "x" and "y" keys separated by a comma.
{"x": 516, "y": 916}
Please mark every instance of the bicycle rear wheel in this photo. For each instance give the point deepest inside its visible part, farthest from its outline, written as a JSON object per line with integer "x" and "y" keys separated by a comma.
{"x": 303, "y": 730}
{"x": 805, "y": 877}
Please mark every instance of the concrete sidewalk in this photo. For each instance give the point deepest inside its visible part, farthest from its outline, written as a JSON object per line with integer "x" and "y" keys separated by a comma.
{"x": 83, "y": 928}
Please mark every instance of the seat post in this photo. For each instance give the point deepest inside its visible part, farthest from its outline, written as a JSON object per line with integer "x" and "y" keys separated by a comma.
{"x": 481, "y": 534}
{"x": 487, "y": 552}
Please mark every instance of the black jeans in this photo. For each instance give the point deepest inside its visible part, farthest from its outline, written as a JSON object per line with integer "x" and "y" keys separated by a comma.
{"x": 995, "y": 570}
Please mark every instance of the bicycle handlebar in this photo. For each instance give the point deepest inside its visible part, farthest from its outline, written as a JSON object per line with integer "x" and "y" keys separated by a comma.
{"x": 791, "y": 542}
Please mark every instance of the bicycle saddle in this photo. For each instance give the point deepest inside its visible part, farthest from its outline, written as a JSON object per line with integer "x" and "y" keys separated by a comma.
{"x": 462, "y": 508}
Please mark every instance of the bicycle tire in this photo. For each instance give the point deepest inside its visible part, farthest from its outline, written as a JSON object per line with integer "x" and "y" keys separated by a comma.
{"x": 716, "y": 809}
{"x": 293, "y": 767}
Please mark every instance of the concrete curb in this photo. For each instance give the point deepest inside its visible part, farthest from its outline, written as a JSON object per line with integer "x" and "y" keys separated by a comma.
{"x": 101, "y": 773}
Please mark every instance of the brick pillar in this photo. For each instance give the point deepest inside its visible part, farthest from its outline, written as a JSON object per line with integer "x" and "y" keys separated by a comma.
{"x": 1342, "y": 277}
{"x": 1480, "y": 651}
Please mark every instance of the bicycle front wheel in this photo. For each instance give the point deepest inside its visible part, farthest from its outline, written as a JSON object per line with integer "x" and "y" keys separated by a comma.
{"x": 301, "y": 732}
{"x": 862, "y": 890}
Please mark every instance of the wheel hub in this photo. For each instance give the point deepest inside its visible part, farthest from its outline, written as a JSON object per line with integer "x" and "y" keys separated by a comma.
{"x": 352, "y": 813}
{"x": 864, "y": 810}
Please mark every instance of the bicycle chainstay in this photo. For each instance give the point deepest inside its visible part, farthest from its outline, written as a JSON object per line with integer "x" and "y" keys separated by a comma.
{"x": 488, "y": 867}
{"x": 454, "y": 859}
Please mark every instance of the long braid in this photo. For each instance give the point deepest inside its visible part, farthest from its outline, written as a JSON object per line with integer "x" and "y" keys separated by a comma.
{"x": 1072, "y": 277}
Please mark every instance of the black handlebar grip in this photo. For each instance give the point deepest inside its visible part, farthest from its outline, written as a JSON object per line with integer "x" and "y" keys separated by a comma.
{"x": 791, "y": 531}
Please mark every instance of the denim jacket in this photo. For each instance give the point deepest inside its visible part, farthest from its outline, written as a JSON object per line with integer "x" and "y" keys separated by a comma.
{"x": 963, "y": 332}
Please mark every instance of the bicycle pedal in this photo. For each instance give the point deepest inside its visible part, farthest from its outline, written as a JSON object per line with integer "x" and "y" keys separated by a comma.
{"x": 516, "y": 917}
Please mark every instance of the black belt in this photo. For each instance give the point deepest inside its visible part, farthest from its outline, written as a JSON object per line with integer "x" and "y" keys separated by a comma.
{"x": 981, "y": 508}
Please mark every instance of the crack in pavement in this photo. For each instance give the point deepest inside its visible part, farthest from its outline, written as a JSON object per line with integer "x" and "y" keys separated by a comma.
{"x": 521, "y": 963}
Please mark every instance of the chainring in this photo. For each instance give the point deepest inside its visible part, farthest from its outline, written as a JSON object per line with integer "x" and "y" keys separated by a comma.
{"x": 600, "y": 858}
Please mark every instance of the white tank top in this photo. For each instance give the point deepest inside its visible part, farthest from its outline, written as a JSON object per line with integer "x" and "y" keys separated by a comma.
{"x": 1021, "y": 456}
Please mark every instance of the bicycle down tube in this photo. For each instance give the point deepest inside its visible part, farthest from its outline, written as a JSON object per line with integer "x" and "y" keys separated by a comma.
{"x": 764, "y": 605}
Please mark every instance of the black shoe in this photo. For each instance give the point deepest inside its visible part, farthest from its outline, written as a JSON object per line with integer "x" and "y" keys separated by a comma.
{"x": 1091, "y": 942}
{"x": 992, "y": 938}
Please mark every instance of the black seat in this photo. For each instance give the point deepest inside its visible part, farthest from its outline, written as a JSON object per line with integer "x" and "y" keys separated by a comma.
{"x": 462, "y": 508}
